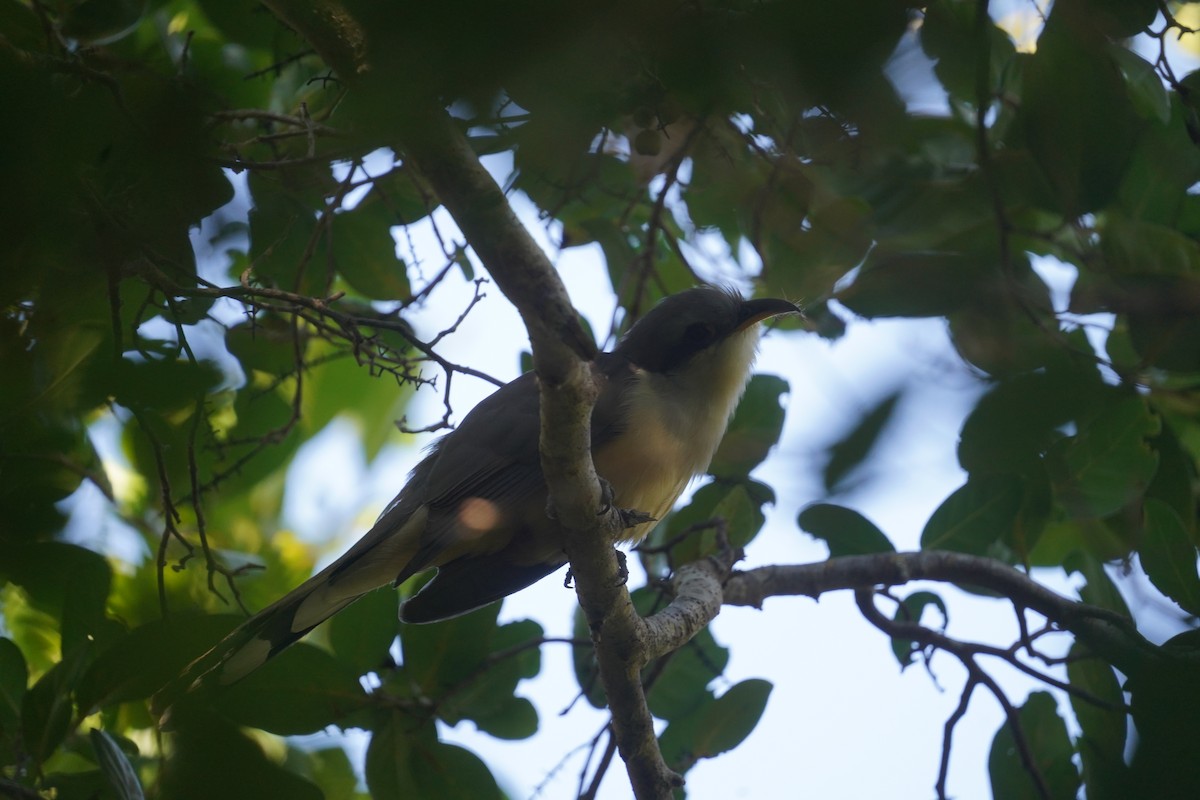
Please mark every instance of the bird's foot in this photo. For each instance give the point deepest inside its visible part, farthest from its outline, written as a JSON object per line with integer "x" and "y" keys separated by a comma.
{"x": 622, "y": 572}
{"x": 628, "y": 517}
{"x": 622, "y": 568}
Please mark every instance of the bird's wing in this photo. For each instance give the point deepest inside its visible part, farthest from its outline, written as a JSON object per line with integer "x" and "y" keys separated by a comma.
{"x": 493, "y": 455}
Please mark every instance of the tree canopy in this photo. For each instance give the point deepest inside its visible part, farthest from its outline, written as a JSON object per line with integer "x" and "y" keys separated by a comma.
{"x": 877, "y": 161}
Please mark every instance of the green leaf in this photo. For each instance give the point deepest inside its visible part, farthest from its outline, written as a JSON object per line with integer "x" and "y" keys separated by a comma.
{"x": 362, "y": 634}
{"x": 365, "y": 253}
{"x": 302, "y": 690}
{"x": 1017, "y": 422}
{"x": 739, "y": 504}
{"x": 116, "y": 766}
{"x": 517, "y": 718}
{"x": 136, "y": 665}
{"x": 405, "y": 195}
{"x": 1075, "y": 113}
{"x": 1169, "y": 556}
{"x": 682, "y": 686}
{"x": 716, "y": 726}
{"x": 282, "y": 222}
{"x": 1121, "y": 19}
{"x": 403, "y": 762}
{"x": 14, "y": 677}
{"x": 754, "y": 429}
{"x": 913, "y": 284}
{"x": 1099, "y": 589}
{"x": 853, "y": 448}
{"x": 1165, "y": 700}
{"x": 1102, "y": 743}
{"x": 66, "y": 581}
{"x": 910, "y": 610}
{"x": 845, "y": 531}
{"x": 949, "y": 34}
{"x": 1049, "y": 747}
{"x": 266, "y": 344}
{"x": 583, "y": 659}
{"x": 212, "y": 757}
{"x": 488, "y": 696}
{"x": 1137, "y": 250}
{"x": 441, "y": 655}
{"x": 331, "y": 770}
{"x": 1109, "y": 463}
{"x": 342, "y": 387}
{"x": 46, "y": 708}
{"x": 1143, "y": 83}
{"x": 976, "y": 516}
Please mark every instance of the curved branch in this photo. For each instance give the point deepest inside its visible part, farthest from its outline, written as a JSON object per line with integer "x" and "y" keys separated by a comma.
{"x": 1110, "y": 636}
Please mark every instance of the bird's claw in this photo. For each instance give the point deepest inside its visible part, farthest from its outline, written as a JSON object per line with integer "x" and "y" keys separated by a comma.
{"x": 622, "y": 568}
{"x": 628, "y": 517}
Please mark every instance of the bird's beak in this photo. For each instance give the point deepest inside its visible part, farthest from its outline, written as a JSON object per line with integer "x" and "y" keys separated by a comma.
{"x": 753, "y": 311}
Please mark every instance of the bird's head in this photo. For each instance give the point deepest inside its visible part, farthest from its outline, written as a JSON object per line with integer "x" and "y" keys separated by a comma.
{"x": 701, "y": 327}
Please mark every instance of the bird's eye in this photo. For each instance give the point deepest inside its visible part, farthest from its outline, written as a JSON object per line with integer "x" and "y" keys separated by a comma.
{"x": 699, "y": 333}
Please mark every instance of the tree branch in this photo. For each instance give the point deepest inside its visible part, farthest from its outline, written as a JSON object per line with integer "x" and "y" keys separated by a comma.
{"x": 562, "y": 353}
{"x": 1110, "y": 636}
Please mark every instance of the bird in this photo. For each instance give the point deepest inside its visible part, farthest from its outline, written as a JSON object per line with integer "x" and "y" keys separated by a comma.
{"x": 475, "y": 507}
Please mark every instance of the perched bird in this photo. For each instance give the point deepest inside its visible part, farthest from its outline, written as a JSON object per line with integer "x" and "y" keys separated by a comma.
{"x": 475, "y": 507}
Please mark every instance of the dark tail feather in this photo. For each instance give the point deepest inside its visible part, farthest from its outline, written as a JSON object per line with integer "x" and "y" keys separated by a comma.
{"x": 250, "y": 645}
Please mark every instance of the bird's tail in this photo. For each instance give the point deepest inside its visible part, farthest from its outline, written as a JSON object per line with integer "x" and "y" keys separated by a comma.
{"x": 262, "y": 636}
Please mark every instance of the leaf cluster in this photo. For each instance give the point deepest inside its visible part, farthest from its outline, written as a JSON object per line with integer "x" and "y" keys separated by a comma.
{"x": 775, "y": 144}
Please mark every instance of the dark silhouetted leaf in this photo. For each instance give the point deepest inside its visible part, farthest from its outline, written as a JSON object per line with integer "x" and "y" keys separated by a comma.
{"x": 14, "y": 677}
{"x": 302, "y": 690}
{"x": 845, "y": 531}
{"x": 1049, "y": 747}
{"x": 682, "y": 685}
{"x": 1102, "y": 743}
{"x": 853, "y": 448}
{"x": 976, "y": 516}
{"x": 716, "y": 726}
{"x": 362, "y": 634}
{"x": 1169, "y": 556}
{"x": 910, "y": 610}
{"x": 201, "y": 741}
{"x": 404, "y": 763}
{"x": 1109, "y": 462}
{"x": 141, "y": 662}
